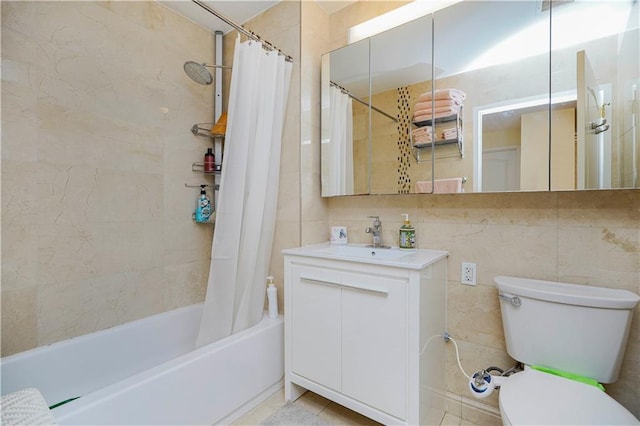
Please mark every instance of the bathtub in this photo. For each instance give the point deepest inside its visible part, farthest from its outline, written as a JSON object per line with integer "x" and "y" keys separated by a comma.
{"x": 147, "y": 372}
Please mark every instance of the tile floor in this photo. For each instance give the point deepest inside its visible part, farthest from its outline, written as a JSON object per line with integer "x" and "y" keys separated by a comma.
{"x": 326, "y": 410}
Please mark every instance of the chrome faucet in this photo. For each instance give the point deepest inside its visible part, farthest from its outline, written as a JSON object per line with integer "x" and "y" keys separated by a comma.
{"x": 375, "y": 231}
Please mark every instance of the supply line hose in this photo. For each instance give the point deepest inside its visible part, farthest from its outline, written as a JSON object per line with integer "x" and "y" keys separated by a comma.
{"x": 447, "y": 337}
{"x": 498, "y": 369}
{"x": 482, "y": 382}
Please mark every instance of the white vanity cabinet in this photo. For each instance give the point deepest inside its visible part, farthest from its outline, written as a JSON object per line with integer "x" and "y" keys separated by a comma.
{"x": 367, "y": 333}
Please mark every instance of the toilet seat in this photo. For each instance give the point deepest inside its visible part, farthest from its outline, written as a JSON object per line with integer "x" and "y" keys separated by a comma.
{"x": 534, "y": 397}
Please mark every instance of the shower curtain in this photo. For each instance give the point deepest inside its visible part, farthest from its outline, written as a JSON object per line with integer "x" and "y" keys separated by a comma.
{"x": 246, "y": 215}
{"x": 340, "y": 146}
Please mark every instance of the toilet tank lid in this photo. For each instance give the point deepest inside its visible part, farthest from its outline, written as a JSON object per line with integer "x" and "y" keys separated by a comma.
{"x": 571, "y": 294}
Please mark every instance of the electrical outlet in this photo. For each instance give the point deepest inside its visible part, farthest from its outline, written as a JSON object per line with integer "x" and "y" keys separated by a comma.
{"x": 468, "y": 273}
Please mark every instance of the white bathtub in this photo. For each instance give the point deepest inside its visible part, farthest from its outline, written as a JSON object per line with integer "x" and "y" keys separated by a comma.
{"x": 146, "y": 372}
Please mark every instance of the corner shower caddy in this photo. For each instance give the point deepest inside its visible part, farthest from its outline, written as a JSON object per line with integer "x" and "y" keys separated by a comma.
{"x": 418, "y": 152}
{"x": 198, "y": 167}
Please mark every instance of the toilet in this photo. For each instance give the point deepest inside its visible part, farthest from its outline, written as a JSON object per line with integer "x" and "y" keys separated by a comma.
{"x": 572, "y": 330}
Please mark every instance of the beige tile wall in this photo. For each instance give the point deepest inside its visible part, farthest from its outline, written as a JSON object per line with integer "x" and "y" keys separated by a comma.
{"x": 96, "y": 149}
{"x": 589, "y": 237}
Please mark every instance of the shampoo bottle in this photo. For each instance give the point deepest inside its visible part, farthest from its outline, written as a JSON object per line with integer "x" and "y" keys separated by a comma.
{"x": 209, "y": 161}
{"x": 203, "y": 206}
{"x": 407, "y": 234}
{"x": 272, "y": 298}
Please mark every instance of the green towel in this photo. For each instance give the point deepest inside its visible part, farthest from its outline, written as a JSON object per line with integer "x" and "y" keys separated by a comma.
{"x": 571, "y": 376}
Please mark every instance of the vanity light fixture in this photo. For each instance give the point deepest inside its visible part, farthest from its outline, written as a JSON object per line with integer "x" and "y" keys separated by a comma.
{"x": 399, "y": 16}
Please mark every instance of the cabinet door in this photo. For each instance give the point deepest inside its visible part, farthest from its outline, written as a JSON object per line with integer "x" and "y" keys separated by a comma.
{"x": 374, "y": 342}
{"x": 315, "y": 329}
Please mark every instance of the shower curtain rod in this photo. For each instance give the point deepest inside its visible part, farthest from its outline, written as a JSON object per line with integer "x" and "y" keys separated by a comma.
{"x": 355, "y": 98}
{"x": 240, "y": 28}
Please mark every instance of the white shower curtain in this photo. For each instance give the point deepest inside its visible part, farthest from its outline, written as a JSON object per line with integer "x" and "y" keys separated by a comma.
{"x": 246, "y": 215}
{"x": 340, "y": 146}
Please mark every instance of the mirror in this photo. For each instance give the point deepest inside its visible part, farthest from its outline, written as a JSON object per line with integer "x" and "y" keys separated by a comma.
{"x": 599, "y": 60}
{"x": 345, "y": 146}
{"x": 539, "y": 112}
{"x": 400, "y": 73}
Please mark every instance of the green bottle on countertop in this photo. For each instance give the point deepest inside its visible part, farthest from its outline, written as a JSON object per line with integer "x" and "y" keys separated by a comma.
{"x": 407, "y": 234}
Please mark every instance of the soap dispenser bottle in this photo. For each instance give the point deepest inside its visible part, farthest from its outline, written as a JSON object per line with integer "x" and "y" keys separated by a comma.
{"x": 272, "y": 298}
{"x": 407, "y": 234}
{"x": 203, "y": 206}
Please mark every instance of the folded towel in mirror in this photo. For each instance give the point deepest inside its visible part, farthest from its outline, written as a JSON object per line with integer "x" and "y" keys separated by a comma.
{"x": 451, "y": 133}
{"x": 450, "y": 110}
{"x": 422, "y": 136}
{"x": 437, "y": 104}
{"x": 426, "y": 130}
{"x": 443, "y": 94}
{"x": 417, "y": 118}
{"x": 440, "y": 186}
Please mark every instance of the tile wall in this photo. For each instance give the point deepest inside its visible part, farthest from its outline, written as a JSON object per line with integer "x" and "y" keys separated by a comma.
{"x": 96, "y": 150}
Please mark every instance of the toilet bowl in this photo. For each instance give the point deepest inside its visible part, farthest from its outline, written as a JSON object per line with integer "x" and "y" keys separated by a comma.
{"x": 573, "y": 329}
{"x": 532, "y": 397}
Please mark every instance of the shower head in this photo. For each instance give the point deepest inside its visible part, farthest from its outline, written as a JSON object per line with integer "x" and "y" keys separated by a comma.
{"x": 198, "y": 72}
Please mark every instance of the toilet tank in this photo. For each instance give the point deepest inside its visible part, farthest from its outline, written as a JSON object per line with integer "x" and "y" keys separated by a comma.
{"x": 574, "y": 328}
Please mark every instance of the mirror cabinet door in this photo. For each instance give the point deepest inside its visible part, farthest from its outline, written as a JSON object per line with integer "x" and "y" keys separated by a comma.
{"x": 344, "y": 135}
{"x": 496, "y": 53}
{"x": 401, "y": 69}
{"x": 598, "y": 63}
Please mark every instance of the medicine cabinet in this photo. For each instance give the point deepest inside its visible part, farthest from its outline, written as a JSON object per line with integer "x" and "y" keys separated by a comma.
{"x": 550, "y": 105}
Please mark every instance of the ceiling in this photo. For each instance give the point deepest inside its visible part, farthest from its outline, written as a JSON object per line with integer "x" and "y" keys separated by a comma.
{"x": 239, "y": 11}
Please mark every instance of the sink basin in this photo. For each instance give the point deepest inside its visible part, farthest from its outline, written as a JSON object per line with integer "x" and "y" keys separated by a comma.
{"x": 366, "y": 252}
{"x": 360, "y": 253}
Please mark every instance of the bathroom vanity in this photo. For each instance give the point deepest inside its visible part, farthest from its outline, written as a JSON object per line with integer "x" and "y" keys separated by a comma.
{"x": 364, "y": 328}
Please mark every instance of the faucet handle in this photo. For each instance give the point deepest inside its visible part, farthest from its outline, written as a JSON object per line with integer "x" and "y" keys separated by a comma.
{"x": 376, "y": 221}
